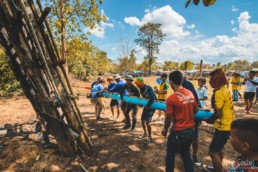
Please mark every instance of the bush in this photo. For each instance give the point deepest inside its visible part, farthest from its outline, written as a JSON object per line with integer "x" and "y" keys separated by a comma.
{"x": 8, "y": 83}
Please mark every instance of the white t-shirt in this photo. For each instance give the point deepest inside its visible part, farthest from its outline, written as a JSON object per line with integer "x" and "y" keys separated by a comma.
{"x": 202, "y": 93}
{"x": 250, "y": 87}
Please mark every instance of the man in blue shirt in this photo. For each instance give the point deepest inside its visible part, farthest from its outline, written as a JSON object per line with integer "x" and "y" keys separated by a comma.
{"x": 96, "y": 92}
{"x": 148, "y": 93}
{"x": 113, "y": 102}
{"x": 117, "y": 89}
{"x": 96, "y": 82}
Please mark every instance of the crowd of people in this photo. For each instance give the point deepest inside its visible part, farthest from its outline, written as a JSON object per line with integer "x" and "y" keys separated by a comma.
{"x": 180, "y": 109}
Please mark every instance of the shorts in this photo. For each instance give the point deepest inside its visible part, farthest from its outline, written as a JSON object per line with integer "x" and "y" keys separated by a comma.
{"x": 147, "y": 115}
{"x": 249, "y": 95}
{"x": 115, "y": 102}
{"x": 219, "y": 140}
{"x": 101, "y": 99}
{"x": 196, "y": 127}
{"x": 256, "y": 92}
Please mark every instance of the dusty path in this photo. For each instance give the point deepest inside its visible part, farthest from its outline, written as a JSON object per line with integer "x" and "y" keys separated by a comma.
{"x": 114, "y": 149}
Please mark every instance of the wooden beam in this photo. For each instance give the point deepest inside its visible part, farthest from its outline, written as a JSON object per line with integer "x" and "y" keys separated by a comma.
{"x": 44, "y": 15}
{"x": 201, "y": 68}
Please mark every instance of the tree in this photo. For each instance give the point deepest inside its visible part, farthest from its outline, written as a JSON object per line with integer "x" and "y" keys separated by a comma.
{"x": 143, "y": 66}
{"x": 255, "y": 64}
{"x": 218, "y": 64}
{"x": 8, "y": 82}
{"x": 85, "y": 60}
{"x": 127, "y": 64}
{"x": 206, "y": 3}
{"x": 169, "y": 65}
{"x": 240, "y": 65}
{"x": 127, "y": 59}
{"x": 150, "y": 37}
{"x": 67, "y": 17}
{"x": 189, "y": 65}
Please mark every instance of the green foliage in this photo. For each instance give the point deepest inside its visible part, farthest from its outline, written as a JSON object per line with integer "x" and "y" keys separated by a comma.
{"x": 239, "y": 65}
{"x": 127, "y": 64}
{"x": 189, "y": 65}
{"x": 169, "y": 65}
{"x": 206, "y": 3}
{"x": 73, "y": 15}
{"x": 255, "y": 64}
{"x": 150, "y": 37}
{"x": 8, "y": 83}
{"x": 85, "y": 60}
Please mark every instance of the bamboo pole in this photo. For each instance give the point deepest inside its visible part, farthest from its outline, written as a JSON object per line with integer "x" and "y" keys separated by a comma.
{"x": 38, "y": 47}
{"x": 59, "y": 58}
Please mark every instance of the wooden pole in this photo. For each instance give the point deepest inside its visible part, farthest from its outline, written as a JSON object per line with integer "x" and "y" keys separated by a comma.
{"x": 185, "y": 66}
{"x": 201, "y": 68}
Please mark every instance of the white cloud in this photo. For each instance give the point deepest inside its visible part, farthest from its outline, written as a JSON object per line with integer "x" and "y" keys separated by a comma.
{"x": 234, "y": 9}
{"x": 99, "y": 30}
{"x": 173, "y": 23}
{"x": 221, "y": 48}
{"x": 194, "y": 46}
{"x": 132, "y": 21}
{"x": 147, "y": 10}
{"x": 192, "y": 26}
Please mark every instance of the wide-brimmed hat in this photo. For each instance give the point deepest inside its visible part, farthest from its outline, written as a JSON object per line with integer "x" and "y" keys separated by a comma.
{"x": 139, "y": 81}
{"x": 129, "y": 77}
{"x": 116, "y": 76}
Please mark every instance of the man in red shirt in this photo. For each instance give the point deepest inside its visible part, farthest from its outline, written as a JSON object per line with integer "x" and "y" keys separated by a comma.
{"x": 181, "y": 107}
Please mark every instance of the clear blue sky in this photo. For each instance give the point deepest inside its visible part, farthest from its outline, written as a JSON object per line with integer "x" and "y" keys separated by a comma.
{"x": 223, "y": 32}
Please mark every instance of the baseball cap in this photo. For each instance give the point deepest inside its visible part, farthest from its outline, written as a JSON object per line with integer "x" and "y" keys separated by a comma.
{"x": 129, "y": 77}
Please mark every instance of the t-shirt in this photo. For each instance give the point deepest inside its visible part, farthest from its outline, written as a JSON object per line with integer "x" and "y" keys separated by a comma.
{"x": 163, "y": 86}
{"x": 244, "y": 166}
{"x": 148, "y": 93}
{"x": 236, "y": 83}
{"x": 132, "y": 91}
{"x": 221, "y": 99}
{"x": 189, "y": 86}
{"x": 202, "y": 93}
{"x": 112, "y": 85}
{"x": 117, "y": 88}
{"x": 94, "y": 84}
{"x": 250, "y": 87}
{"x": 98, "y": 88}
{"x": 182, "y": 112}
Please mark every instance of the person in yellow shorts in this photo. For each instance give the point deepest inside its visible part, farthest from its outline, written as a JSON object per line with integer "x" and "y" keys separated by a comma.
{"x": 162, "y": 94}
{"x": 222, "y": 117}
{"x": 236, "y": 81}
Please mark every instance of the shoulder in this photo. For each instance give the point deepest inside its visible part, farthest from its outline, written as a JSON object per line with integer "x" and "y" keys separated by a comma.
{"x": 171, "y": 98}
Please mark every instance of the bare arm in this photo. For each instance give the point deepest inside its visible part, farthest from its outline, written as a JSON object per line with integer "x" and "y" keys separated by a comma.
{"x": 217, "y": 114}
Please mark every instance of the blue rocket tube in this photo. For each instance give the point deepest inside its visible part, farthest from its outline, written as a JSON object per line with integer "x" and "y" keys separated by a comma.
{"x": 155, "y": 105}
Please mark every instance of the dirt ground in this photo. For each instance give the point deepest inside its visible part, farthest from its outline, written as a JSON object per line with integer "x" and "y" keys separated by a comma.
{"x": 114, "y": 149}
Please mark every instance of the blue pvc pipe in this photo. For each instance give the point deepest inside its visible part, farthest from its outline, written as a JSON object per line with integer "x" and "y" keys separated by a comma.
{"x": 155, "y": 105}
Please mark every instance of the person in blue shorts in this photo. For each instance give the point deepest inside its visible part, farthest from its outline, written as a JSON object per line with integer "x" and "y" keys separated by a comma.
{"x": 148, "y": 93}
{"x": 113, "y": 102}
